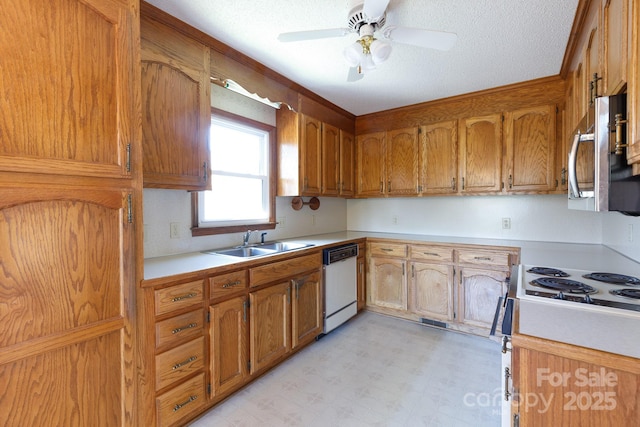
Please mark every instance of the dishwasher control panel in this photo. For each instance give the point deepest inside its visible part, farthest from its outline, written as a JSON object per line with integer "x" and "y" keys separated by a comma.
{"x": 339, "y": 253}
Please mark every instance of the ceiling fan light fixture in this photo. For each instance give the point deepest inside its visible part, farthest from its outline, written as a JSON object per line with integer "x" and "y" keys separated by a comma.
{"x": 367, "y": 64}
{"x": 353, "y": 54}
{"x": 380, "y": 51}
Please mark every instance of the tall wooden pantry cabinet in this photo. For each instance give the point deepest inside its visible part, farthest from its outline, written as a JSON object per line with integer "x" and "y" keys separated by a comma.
{"x": 70, "y": 189}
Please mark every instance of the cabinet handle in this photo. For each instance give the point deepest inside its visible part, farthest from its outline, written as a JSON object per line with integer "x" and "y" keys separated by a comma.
{"x": 413, "y": 271}
{"x": 187, "y": 296}
{"x": 563, "y": 175}
{"x": 389, "y": 186}
{"x": 386, "y": 249}
{"x": 184, "y": 362}
{"x": 381, "y": 186}
{"x": 431, "y": 254}
{"x": 182, "y": 328}
{"x": 186, "y": 402}
{"x": 482, "y": 258}
{"x": 510, "y": 181}
{"x": 453, "y": 184}
{"x": 205, "y": 166}
{"x": 463, "y": 182}
{"x": 507, "y": 375}
{"x": 231, "y": 284}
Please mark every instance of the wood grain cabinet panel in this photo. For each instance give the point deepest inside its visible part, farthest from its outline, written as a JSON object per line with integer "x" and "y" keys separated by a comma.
{"x": 615, "y": 44}
{"x": 388, "y": 282}
{"x": 330, "y": 160}
{"x": 180, "y": 362}
{"x": 401, "y": 156}
{"x": 176, "y": 109}
{"x": 181, "y": 402}
{"x": 228, "y": 284}
{"x": 311, "y": 156}
{"x": 179, "y": 328}
{"x": 481, "y": 154}
{"x": 306, "y": 309}
{"x": 633, "y": 90}
{"x": 439, "y": 158}
{"x": 431, "y": 290}
{"x": 478, "y": 293}
{"x": 178, "y": 297}
{"x": 68, "y": 97}
{"x": 229, "y": 347}
{"x": 530, "y": 136}
{"x": 347, "y": 164}
{"x": 370, "y": 164}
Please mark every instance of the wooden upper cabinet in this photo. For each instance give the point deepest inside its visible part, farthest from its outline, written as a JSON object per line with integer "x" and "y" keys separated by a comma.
{"x": 401, "y": 156}
{"x": 370, "y": 164}
{"x": 311, "y": 156}
{"x": 347, "y": 164}
{"x": 633, "y": 90}
{"x": 481, "y": 154}
{"x": 615, "y": 24}
{"x": 68, "y": 97}
{"x": 439, "y": 158}
{"x": 530, "y": 136}
{"x": 330, "y": 160}
{"x": 176, "y": 109}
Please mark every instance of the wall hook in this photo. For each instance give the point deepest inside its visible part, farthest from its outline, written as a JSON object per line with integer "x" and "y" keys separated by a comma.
{"x": 297, "y": 203}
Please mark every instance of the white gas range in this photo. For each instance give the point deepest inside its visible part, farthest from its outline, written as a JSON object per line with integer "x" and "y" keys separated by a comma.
{"x": 580, "y": 307}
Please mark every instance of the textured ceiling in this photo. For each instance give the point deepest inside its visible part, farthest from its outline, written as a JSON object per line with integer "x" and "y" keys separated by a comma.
{"x": 499, "y": 42}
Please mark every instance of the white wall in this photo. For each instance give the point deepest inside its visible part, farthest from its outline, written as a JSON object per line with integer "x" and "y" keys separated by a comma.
{"x": 622, "y": 233}
{"x": 542, "y": 218}
{"x": 163, "y": 207}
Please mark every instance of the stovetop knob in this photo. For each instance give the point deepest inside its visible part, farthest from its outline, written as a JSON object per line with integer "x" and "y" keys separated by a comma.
{"x": 559, "y": 295}
{"x": 587, "y": 299}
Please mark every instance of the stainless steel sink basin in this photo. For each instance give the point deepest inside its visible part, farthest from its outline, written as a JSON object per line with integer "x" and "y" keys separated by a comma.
{"x": 259, "y": 250}
{"x": 284, "y": 246}
{"x": 245, "y": 252}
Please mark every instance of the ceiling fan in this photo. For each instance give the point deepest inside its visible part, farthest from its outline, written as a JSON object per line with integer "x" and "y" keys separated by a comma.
{"x": 368, "y": 18}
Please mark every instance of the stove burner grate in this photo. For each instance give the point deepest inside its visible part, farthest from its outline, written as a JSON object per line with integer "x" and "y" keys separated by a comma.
{"x": 613, "y": 278}
{"x": 627, "y": 293}
{"x": 564, "y": 285}
{"x": 547, "y": 271}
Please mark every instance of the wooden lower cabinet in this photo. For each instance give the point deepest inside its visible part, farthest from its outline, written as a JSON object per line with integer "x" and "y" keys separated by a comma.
{"x": 478, "y": 293}
{"x": 270, "y": 325}
{"x": 362, "y": 278}
{"x": 431, "y": 291}
{"x": 556, "y": 384}
{"x": 306, "y": 309}
{"x": 229, "y": 354}
{"x": 388, "y": 283}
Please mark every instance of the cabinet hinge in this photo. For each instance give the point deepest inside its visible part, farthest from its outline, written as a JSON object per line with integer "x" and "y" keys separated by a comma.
{"x": 208, "y": 317}
{"x": 129, "y": 208}
{"x": 249, "y": 365}
{"x": 209, "y": 389}
{"x": 128, "y": 160}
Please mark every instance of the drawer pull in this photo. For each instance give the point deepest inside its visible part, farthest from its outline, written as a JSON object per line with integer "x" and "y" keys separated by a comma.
{"x": 482, "y": 258}
{"x": 231, "y": 284}
{"x": 185, "y": 362}
{"x": 431, "y": 253}
{"x": 186, "y": 402}
{"x": 182, "y": 328}
{"x": 386, "y": 249}
{"x": 187, "y": 296}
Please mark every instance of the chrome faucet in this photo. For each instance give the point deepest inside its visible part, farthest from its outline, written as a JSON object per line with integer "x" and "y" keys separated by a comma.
{"x": 245, "y": 237}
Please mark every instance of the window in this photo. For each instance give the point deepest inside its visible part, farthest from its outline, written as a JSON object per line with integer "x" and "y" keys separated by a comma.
{"x": 242, "y": 194}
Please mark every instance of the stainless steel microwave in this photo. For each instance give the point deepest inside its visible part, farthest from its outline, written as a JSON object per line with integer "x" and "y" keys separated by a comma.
{"x": 600, "y": 179}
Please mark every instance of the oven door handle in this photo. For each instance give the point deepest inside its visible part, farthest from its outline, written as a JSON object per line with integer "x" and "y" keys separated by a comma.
{"x": 496, "y": 316}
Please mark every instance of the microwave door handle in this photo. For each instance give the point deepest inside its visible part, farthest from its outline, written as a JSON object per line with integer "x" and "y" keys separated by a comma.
{"x": 574, "y": 191}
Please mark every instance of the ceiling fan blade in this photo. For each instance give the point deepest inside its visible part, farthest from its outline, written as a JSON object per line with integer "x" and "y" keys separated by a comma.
{"x": 374, "y": 9}
{"x": 297, "y": 36}
{"x": 354, "y": 75}
{"x": 440, "y": 40}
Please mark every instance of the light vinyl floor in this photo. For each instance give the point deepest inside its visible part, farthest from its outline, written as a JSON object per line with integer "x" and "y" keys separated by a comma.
{"x": 375, "y": 371}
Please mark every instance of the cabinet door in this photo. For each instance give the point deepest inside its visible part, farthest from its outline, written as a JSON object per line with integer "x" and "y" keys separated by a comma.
{"x": 310, "y": 156}
{"x": 306, "y": 314}
{"x": 229, "y": 355}
{"x": 478, "y": 294}
{"x": 401, "y": 156}
{"x": 65, "y": 335}
{"x": 530, "y": 136}
{"x": 439, "y": 158}
{"x": 362, "y": 282}
{"x": 347, "y": 164}
{"x": 633, "y": 90}
{"x": 330, "y": 160}
{"x": 176, "y": 109}
{"x": 615, "y": 22}
{"x": 270, "y": 322}
{"x": 68, "y": 87}
{"x": 370, "y": 164}
{"x": 431, "y": 291}
{"x": 481, "y": 154}
{"x": 388, "y": 283}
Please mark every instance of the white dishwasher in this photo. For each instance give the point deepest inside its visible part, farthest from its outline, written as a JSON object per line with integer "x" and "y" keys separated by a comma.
{"x": 340, "y": 285}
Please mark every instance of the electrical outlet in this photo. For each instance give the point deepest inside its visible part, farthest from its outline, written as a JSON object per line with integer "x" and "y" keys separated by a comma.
{"x": 282, "y": 222}
{"x": 313, "y": 220}
{"x": 506, "y": 223}
{"x": 145, "y": 233}
{"x": 174, "y": 230}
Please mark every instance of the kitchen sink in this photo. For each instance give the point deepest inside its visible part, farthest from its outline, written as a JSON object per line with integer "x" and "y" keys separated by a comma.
{"x": 259, "y": 250}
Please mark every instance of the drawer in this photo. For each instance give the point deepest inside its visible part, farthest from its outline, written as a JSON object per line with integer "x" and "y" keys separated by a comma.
{"x": 431, "y": 253}
{"x": 178, "y": 296}
{"x": 180, "y": 362}
{"x": 227, "y": 284}
{"x": 181, "y": 401}
{"x": 484, "y": 258}
{"x": 387, "y": 249}
{"x": 284, "y": 269}
{"x": 188, "y": 325}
